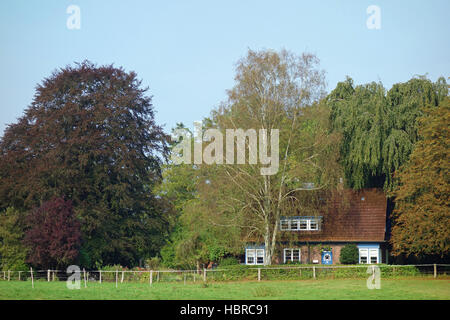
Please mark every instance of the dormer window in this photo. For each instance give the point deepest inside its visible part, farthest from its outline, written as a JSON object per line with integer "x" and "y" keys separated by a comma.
{"x": 300, "y": 223}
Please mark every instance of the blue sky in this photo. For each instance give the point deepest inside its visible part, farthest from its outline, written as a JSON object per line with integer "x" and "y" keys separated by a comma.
{"x": 185, "y": 51}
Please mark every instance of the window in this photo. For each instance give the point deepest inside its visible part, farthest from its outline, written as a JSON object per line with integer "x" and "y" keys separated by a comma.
{"x": 250, "y": 256}
{"x": 254, "y": 256}
{"x": 260, "y": 256}
{"x": 291, "y": 255}
{"x": 367, "y": 255}
{"x": 373, "y": 254}
{"x": 313, "y": 224}
{"x": 295, "y": 225}
{"x": 302, "y": 224}
{"x": 363, "y": 255}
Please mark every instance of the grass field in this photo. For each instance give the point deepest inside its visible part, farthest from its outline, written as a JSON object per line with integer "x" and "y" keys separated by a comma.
{"x": 391, "y": 289}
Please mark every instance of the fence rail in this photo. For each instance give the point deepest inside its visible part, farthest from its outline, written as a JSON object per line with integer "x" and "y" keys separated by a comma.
{"x": 235, "y": 273}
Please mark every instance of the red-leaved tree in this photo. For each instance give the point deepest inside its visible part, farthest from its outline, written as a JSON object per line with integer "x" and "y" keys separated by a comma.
{"x": 54, "y": 234}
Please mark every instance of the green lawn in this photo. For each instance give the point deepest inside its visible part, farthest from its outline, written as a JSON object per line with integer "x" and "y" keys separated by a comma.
{"x": 391, "y": 289}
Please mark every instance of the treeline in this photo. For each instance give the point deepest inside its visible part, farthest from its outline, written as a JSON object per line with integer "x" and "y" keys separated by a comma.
{"x": 85, "y": 176}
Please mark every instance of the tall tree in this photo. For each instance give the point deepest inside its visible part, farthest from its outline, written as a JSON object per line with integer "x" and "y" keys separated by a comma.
{"x": 422, "y": 213}
{"x": 53, "y": 235}
{"x": 379, "y": 129}
{"x": 90, "y": 135}
{"x": 273, "y": 90}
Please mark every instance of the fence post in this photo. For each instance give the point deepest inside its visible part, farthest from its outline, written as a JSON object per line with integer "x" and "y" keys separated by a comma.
{"x": 48, "y": 275}
{"x": 314, "y": 272}
{"x": 204, "y": 274}
{"x": 19, "y": 275}
{"x": 9, "y": 275}
{"x": 84, "y": 276}
{"x": 184, "y": 278}
{"x": 259, "y": 274}
{"x": 151, "y": 277}
{"x": 32, "y": 280}
{"x": 121, "y": 280}
{"x": 157, "y": 276}
{"x": 117, "y": 276}
{"x": 100, "y": 276}
{"x": 4, "y": 275}
{"x": 435, "y": 270}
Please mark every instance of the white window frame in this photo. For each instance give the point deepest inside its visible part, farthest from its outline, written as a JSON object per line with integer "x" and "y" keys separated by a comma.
{"x": 295, "y": 222}
{"x": 303, "y": 221}
{"x": 316, "y": 222}
{"x": 368, "y": 254}
{"x": 285, "y": 221}
{"x": 291, "y": 254}
{"x": 255, "y": 254}
{"x": 363, "y": 253}
{"x": 302, "y": 224}
{"x": 374, "y": 253}
{"x": 260, "y": 254}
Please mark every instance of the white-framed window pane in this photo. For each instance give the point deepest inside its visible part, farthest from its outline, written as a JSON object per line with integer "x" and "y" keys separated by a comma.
{"x": 363, "y": 255}
{"x": 287, "y": 255}
{"x": 260, "y": 256}
{"x": 284, "y": 224}
{"x": 373, "y": 253}
{"x": 295, "y": 224}
{"x": 314, "y": 225}
{"x": 303, "y": 224}
{"x": 296, "y": 255}
{"x": 250, "y": 256}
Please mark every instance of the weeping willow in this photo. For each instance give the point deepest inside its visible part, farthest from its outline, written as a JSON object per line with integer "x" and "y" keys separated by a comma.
{"x": 379, "y": 128}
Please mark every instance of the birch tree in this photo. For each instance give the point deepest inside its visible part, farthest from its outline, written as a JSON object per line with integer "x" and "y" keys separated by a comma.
{"x": 273, "y": 90}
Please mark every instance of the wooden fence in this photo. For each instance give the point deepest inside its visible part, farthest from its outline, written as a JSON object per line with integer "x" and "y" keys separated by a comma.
{"x": 236, "y": 273}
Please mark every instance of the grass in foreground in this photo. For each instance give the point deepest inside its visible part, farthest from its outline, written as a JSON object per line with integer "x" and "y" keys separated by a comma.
{"x": 391, "y": 289}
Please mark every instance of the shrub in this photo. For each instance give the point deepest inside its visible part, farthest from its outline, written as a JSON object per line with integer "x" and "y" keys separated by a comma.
{"x": 153, "y": 263}
{"x": 349, "y": 254}
{"x": 229, "y": 261}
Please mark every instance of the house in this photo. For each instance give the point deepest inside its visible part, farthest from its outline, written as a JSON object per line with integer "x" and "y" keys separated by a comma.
{"x": 357, "y": 217}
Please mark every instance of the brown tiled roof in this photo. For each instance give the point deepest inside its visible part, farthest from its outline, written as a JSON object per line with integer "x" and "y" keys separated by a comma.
{"x": 360, "y": 217}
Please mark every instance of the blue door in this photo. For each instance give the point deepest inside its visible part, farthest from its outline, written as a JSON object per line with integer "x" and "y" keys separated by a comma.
{"x": 327, "y": 257}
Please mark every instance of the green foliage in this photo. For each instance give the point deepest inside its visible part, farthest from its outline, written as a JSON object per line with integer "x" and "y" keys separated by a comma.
{"x": 379, "y": 129}
{"x": 12, "y": 251}
{"x": 228, "y": 261}
{"x": 153, "y": 263}
{"x": 349, "y": 254}
{"x": 422, "y": 215}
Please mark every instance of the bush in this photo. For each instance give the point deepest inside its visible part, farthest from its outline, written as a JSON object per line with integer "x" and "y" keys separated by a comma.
{"x": 153, "y": 263}
{"x": 229, "y": 261}
{"x": 349, "y": 254}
